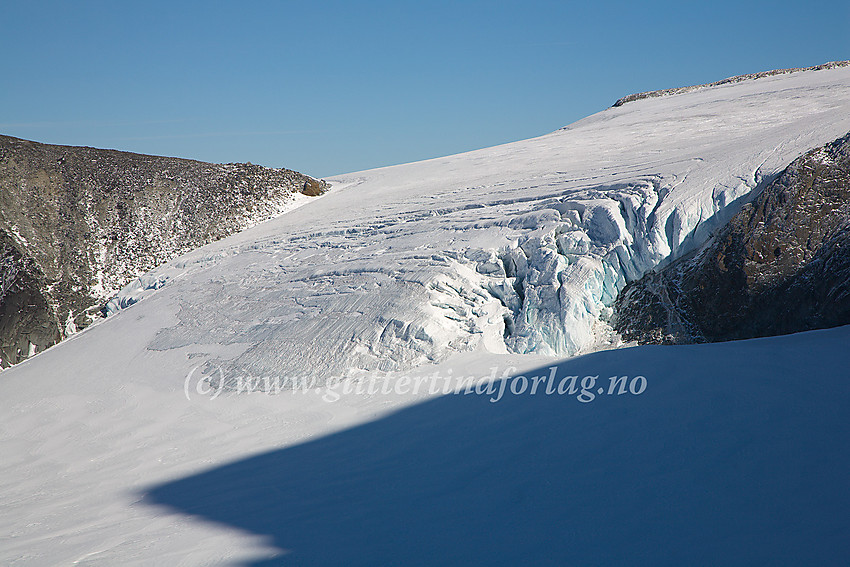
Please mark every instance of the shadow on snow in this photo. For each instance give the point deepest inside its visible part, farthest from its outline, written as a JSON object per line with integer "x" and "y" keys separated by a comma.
{"x": 736, "y": 454}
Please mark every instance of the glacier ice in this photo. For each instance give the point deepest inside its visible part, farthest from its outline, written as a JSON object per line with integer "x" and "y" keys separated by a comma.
{"x": 558, "y": 281}
{"x": 133, "y": 292}
{"x": 558, "y": 278}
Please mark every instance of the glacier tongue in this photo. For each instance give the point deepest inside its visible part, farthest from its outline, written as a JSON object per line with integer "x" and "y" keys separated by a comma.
{"x": 521, "y": 247}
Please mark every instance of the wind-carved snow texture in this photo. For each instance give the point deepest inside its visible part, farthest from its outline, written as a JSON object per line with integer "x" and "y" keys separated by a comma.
{"x": 521, "y": 247}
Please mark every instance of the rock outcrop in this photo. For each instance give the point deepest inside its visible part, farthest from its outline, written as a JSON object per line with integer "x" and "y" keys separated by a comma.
{"x": 781, "y": 265}
{"x": 78, "y": 223}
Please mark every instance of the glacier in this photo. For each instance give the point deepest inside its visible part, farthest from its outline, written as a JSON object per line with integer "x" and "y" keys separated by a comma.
{"x": 518, "y": 248}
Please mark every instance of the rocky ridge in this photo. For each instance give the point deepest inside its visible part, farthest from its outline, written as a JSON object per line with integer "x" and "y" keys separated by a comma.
{"x": 79, "y": 223}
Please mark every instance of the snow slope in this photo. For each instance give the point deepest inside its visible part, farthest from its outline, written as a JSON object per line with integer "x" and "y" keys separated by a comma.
{"x": 732, "y": 455}
{"x": 127, "y": 444}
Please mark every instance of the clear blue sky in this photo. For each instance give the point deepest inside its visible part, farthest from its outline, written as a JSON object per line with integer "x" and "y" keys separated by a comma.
{"x": 329, "y": 87}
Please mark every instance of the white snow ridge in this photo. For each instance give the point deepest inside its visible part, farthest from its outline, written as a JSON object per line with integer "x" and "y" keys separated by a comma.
{"x": 128, "y": 444}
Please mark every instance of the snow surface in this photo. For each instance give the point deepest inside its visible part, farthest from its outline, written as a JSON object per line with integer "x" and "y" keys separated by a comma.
{"x": 129, "y": 444}
{"x": 733, "y": 455}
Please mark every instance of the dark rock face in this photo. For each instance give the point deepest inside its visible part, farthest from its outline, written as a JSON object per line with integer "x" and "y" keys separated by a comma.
{"x": 77, "y": 224}
{"x": 781, "y": 265}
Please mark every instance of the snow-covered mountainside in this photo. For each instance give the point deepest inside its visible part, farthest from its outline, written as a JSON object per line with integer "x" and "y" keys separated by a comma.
{"x": 449, "y": 292}
{"x": 78, "y": 224}
{"x": 518, "y": 248}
